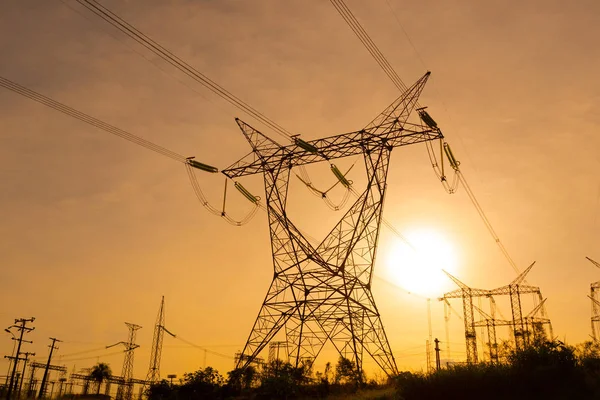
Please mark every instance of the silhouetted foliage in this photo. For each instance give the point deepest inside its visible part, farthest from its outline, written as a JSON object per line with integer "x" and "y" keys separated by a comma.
{"x": 160, "y": 391}
{"x": 99, "y": 373}
{"x": 346, "y": 372}
{"x": 281, "y": 380}
{"x": 544, "y": 370}
{"x": 203, "y": 384}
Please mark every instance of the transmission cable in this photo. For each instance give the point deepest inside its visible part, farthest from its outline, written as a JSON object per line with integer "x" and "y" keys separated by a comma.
{"x": 23, "y": 91}
{"x": 132, "y": 32}
{"x": 32, "y": 95}
{"x": 143, "y": 39}
{"x": 203, "y": 348}
{"x": 353, "y": 23}
{"x": 366, "y": 40}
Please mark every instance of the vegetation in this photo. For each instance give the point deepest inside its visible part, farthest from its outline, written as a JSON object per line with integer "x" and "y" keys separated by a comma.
{"x": 545, "y": 370}
{"x": 275, "y": 380}
{"x": 99, "y": 373}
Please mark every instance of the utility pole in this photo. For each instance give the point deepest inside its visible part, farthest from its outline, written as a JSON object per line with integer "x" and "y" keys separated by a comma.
{"x": 23, "y": 328}
{"x": 26, "y": 354}
{"x": 437, "y": 354}
{"x": 44, "y": 379}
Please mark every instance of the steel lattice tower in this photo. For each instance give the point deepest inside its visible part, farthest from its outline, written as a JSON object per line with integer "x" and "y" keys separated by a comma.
{"x": 467, "y": 293}
{"x": 594, "y": 291}
{"x": 153, "y": 375}
{"x": 324, "y": 293}
{"x": 125, "y": 390}
{"x": 514, "y": 290}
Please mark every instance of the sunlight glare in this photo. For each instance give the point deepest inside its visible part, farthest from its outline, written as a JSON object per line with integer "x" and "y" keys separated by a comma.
{"x": 418, "y": 267}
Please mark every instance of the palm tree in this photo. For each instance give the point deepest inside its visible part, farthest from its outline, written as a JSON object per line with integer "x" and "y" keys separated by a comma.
{"x": 99, "y": 373}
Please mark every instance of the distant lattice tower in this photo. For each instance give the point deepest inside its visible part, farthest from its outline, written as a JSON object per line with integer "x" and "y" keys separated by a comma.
{"x": 278, "y": 350}
{"x": 125, "y": 390}
{"x": 467, "y": 294}
{"x": 595, "y": 297}
{"x": 153, "y": 375}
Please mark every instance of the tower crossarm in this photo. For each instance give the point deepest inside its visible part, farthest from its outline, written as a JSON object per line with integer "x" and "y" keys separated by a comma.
{"x": 597, "y": 264}
{"x": 460, "y": 293}
{"x": 522, "y": 289}
{"x": 330, "y": 148}
{"x": 495, "y": 322}
{"x": 537, "y": 309}
{"x": 522, "y": 275}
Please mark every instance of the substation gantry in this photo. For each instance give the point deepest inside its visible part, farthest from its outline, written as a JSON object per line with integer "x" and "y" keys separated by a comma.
{"x": 595, "y": 298}
{"x": 533, "y": 324}
{"x": 467, "y": 294}
{"x": 33, "y": 367}
{"x": 521, "y": 330}
{"x": 323, "y": 293}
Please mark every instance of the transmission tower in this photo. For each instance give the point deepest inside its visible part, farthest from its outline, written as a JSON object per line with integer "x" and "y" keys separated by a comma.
{"x": 153, "y": 375}
{"x": 514, "y": 290}
{"x": 534, "y": 323}
{"x": 594, "y": 296}
{"x": 125, "y": 389}
{"x": 467, "y": 294}
{"x": 490, "y": 322}
{"x": 275, "y": 351}
{"x": 324, "y": 294}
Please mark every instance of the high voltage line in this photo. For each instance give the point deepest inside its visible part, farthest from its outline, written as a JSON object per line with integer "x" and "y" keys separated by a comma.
{"x": 372, "y": 48}
{"x": 132, "y": 32}
{"x": 47, "y": 101}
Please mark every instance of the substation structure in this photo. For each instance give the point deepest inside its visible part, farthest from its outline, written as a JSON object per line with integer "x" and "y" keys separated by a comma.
{"x": 526, "y": 329}
{"x": 323, "y": 293}
{"x": 595, "y": 298}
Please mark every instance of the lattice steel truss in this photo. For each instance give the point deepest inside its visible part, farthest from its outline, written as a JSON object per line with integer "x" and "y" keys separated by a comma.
{"x": 467, "y": 294}
{"x": 125, "y": 390}
{"x": 595, "y": 298}
{"x": 153, "y": 375}
{"x": 324, "y": 293}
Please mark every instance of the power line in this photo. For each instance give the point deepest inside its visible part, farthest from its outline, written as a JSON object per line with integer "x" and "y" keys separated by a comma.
{"x": 143, "y": 39}
{"x": 47, "y": 101}
{"x": 364, "y": 37}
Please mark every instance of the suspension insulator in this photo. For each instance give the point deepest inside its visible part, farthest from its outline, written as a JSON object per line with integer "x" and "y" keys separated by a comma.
{"x": 427, "y": 119}
{"x": 453, "y": 162}
{"x": 252, "y": 198}
{"x": 338, "y": 174}
{"x": 201, "y": 166}
{"x": 306, "y": 146}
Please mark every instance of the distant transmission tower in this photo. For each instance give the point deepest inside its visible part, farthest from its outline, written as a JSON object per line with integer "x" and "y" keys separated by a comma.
{"x": 514, "y": 290}
{"x": 153, "y": 375}
{"x": 466, "y": 294}
{"x": 125, "y": 390}
{"x": 595, "y": 297}
{"x": 324, "y": 294}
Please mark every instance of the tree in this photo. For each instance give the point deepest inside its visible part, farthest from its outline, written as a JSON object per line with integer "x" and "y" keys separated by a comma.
{"x": 346, "y": 371}
{"x": 205, "y": 383}
{"x": 99, "y": 373}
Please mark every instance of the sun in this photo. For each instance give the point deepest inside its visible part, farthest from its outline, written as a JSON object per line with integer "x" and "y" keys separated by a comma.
{"x": 417, "y": 265}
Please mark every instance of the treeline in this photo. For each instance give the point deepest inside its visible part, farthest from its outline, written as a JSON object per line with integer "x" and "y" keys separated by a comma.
{"x": 546, "y": 370}
{"x": 275, "y": 380}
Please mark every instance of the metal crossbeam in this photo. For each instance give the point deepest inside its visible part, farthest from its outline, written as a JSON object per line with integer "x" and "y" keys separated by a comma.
{"x": 323, "y": 293}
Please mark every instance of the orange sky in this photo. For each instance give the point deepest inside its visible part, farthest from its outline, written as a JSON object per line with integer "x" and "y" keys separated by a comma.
{"x": 94, "y": 230}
